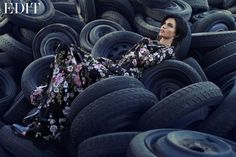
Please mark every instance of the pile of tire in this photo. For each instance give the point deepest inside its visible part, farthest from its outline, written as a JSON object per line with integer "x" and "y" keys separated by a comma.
{"x": 194, "y": 92}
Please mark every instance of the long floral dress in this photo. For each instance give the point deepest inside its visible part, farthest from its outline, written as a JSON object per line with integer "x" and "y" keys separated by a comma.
{"x": 73, "y": 71}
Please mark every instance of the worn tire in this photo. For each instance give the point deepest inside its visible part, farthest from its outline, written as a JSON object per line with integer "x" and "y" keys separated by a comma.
{"x": 144, "y": 28}
{"x": 193, "y": 63}
{"x": 86, "y": 9}
{"x": 215, "y": 22}
{"x": 217, "y": 69}
{"x": 115, "y": 44}
{"x": 118, "y": 18}
{"x": 16, "y": 50}
{"x": 114, "y": 144}
{"x": 18, "y": 110}
{"x": 184, "y": 101}
{"x": 8, "y": 91}
{"x": 124, "y": 106}
{"x": 168, "y": 77}
{"x": 35, "y": 74}
{"x": 96, "y": 29}
{"x": 104, "y": 87}
{"x": 175, "y": 7}
{"x": 47, "y": 39}
{"x": 223, "y": 116}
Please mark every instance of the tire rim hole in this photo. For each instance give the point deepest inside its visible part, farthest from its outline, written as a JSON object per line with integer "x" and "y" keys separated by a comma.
{"x": 197, "y": 149}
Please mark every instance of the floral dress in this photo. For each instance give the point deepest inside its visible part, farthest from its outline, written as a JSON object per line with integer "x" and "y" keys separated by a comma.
{"x": 72, "y": 72}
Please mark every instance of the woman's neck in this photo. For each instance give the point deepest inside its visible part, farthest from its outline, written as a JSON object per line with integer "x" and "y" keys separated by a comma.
{"x": 166, "y": 42}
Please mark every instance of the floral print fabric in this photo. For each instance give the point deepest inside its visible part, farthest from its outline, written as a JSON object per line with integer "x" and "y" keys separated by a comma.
{"x": 73, "y": 71}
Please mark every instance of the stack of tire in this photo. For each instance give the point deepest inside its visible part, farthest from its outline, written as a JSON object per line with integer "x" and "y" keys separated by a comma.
{"x": 194, "y": 92}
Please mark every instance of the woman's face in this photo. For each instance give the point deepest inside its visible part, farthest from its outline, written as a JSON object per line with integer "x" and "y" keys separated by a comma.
{"x": 168, "y": 29}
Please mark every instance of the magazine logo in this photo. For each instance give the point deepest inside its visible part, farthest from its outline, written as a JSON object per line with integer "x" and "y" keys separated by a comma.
{"x": 19, "y": 8}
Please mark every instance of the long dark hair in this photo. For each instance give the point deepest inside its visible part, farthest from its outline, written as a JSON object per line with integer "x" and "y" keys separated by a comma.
{"x": 181, "y": 27}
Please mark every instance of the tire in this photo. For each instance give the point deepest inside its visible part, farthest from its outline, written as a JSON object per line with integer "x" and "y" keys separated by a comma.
{"x": 104, "y": 87}
{"x": 18, "y": 110}
{"x": 28, "y": 35}
{"x": 219, "y": 53}
{"x": 217, "y": 70}
{"x": 193, "y": 63}
{"x": 166, "y": 142}
{"x": 48, "y": 38}
{"x": 175, "y": 7}
{"x": 168, "y": 77}
{"x": 34, "y": 74}
{"x": 16, "y": 50}
{"x": 155, "y": 3}
{"x": 212, "y": 39}
{"x": 198, "y": 6}
{"x": 5, "y": 25}
{"x": 114, "y": 144}
{"x": 44, "y": 14}
{"x": 115, "y": 44}
{"x": 8, "y": 91}
{"x": 16, "y": 33}
{"x": 223, "y": 116}
{"x": 180, "y": 103}
{"x": 215, "y": 22}
{"x": 116, "y": 17}
{"x": 5, "y": 60}
{"x": 72, "y": 22}
{"x": 66, "y": 7}
{"x": 182, "y": 48}
{"x": 86, "y": 9}
{"x": 144, "y": 28}
{"x": 26, "y": 147}
{"x": 222, "y": 80}
{"x": 94, "y": 30}
{"x": 124, "y": 7}
{"x": 124, "y": 106}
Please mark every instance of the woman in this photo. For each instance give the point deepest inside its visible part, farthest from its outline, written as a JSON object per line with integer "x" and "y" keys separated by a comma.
{"x": 74, "y": 70}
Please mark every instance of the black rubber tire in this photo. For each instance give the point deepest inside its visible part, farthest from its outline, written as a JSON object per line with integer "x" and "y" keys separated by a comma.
{"x": 166, "y": 142}
{"x": 115, "y": 112}
{"x": 15, "y": 49}
{"x": 182, "y": 48}
{"x": 212, "y": 39}
{"x": 198, "y": 6}
{"x": 5, "y": 60}
{"x": 26, "y": 147}
{"x": 18, "y": 110}
{"x": 218, "y": 69}
{"x": 118, "y": 18}
{"x": 114, "y": 144}
{"x": 232, "y": 9}
{"x": 47, "y": 39}
{"x": 8, "y": 91}
{"x": 35, "y": 21}
{"x": 115, "y": 44}
{"x": 154, "y": 3}
{"x": 34, "y": 74}
{"x": 168, "y": 77}
{"x": 138, "y": 7}
{"x": 144, "y": 28}
{"x": 92, "y": 30}
{"x": 175, "y": 7}
{"x": 104, "y": 87}
{"x": 207, "y": 23}
{"x": 72, "y": 22}
{"x": 124, "y": 7}
{"x": 223, "y": 116}
{"x": 188, "y": 99}
{"x": 219, "y": 53}
{"x": 5, "y": 25}
{"x": 28, "y": 35}
{"x": 222, "y": 80}
{"x": 193, "y": 63}
{"x": 86, "y": 10}
{"x": 66, "y": 7}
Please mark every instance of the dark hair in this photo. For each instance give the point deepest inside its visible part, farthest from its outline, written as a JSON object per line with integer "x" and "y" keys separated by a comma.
{"x": 181, "y": 27}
